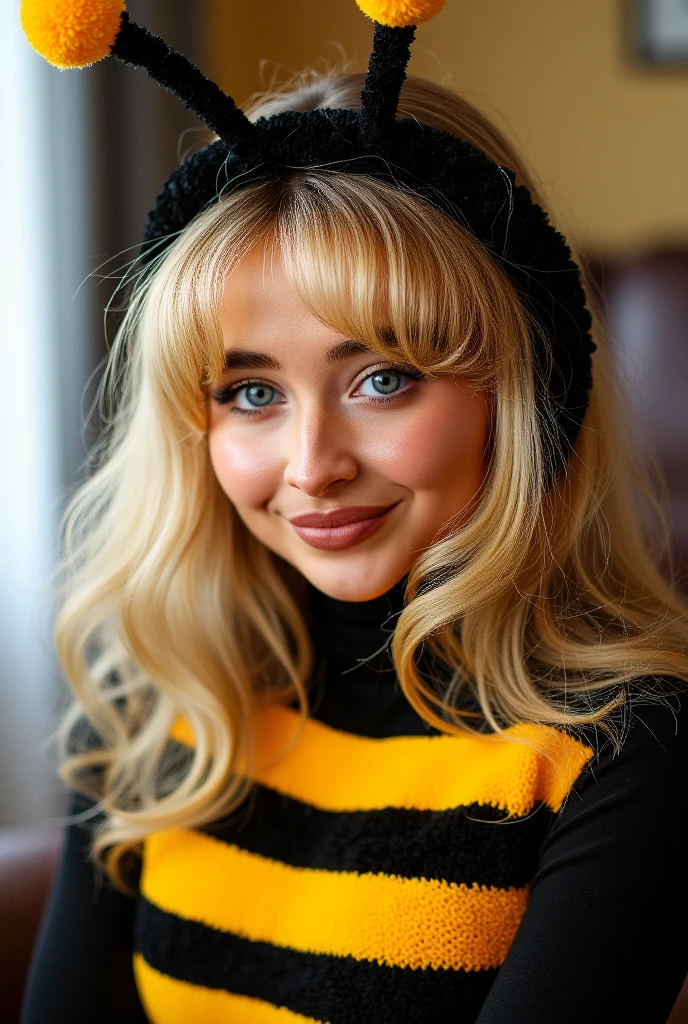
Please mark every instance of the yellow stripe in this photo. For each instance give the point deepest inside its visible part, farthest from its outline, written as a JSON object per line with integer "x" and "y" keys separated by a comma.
{"x": 170, "y": 1001}
{"x": 405, "y": 922}
{"x": 338, "y": 771}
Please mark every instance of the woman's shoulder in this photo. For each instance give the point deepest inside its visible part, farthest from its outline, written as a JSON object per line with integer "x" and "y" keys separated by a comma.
{"x": 641, "y": 756}
{"x": 652, "y": 713}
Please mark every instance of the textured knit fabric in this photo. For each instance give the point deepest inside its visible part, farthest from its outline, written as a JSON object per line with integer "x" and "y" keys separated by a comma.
{"x": 384, "y": 872}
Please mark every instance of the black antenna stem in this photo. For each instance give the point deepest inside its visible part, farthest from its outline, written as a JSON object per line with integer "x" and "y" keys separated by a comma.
{"x": 137, "y": 46}
{"x": 386, "y": 73}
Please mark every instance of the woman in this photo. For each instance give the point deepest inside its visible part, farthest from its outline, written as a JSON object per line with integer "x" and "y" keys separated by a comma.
{"x": 380, "y": 696}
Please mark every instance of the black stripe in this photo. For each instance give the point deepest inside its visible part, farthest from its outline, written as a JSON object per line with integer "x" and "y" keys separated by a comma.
{"x": 340, "y": 990}
{"x": 472, "y": 844}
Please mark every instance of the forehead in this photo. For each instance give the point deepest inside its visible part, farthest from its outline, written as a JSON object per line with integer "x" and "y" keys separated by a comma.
{"x": 257, "y": 290}
{"x": 261, "y": 311}
{"x": 264, "y": 321}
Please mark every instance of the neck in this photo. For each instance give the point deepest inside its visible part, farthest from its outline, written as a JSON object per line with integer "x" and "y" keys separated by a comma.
{"x": 353, "y": 630}
{"x": 354, "y": 684}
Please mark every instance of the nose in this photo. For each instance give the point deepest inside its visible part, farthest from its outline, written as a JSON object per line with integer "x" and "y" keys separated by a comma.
{"x": 321, "y": 452}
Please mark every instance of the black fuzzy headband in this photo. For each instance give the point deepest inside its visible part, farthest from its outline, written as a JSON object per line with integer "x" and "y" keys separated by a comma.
{"x": 447, "y": 172}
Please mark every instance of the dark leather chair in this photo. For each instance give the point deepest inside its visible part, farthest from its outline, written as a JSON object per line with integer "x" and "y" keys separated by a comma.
{"x": 28, "y": 859}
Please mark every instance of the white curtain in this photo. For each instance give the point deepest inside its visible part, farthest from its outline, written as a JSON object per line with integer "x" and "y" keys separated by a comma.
{"x": 40, "y": 220}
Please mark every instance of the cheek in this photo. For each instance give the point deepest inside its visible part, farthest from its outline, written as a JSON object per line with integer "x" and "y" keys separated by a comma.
{"x": 247, "y": 475}
{"x": 441, "y": 447}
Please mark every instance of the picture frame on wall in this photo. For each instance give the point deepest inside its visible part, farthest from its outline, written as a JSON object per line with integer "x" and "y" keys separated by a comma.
{"x": 661, "y": 31}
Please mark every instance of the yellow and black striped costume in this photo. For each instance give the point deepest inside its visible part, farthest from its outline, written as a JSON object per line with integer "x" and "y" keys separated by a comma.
{"x": 370, "y": 874}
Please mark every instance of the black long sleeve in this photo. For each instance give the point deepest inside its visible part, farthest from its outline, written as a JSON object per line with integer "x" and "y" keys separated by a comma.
{"x": 604, "y": 938}
{"x": 82, "y": 967}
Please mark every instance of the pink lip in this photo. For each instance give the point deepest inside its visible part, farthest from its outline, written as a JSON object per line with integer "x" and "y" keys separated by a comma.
{"x": 340, "y": 527}
{"x": 338, "y": 516}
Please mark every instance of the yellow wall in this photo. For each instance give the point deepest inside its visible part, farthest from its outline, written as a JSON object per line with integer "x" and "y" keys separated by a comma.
{"x": 609, "y": 138}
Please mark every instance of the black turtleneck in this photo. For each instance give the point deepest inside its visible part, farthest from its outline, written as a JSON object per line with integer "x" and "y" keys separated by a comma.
{"x": 354, "y": 686}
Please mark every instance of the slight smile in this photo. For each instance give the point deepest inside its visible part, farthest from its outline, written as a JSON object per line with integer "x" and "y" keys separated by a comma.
{"x": 341, "y": 527}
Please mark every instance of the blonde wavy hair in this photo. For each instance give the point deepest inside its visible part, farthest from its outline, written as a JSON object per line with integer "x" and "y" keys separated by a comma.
{"x": 544, "y": 606}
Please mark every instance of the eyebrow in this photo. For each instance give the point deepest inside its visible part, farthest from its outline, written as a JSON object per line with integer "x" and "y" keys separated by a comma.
{"x": 242, "y": 359}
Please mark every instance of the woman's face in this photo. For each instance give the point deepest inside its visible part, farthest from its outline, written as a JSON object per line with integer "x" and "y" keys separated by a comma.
{"x": 306, "y": 422}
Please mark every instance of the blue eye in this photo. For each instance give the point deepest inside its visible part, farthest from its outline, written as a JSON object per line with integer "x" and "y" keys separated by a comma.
{"x": 257, "y": 395}
{"x": 385, "y": 382}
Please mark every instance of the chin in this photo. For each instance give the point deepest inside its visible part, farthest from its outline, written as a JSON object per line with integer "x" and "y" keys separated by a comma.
{"x": 347, "y": 583}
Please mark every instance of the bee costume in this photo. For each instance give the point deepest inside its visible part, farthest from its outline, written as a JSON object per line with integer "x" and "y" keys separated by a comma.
{"x": 386, "y": 873}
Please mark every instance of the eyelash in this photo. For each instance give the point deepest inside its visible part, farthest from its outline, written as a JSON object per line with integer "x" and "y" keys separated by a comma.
{"x": 224, "y": 395}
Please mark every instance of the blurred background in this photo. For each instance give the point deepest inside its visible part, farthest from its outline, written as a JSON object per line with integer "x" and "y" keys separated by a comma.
{"x": 593, "y": 92}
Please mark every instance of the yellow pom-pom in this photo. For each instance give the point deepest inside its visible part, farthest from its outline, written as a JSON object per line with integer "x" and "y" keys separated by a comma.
{"x": 72, "y": 33}
{"x": 399, "y": 13}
